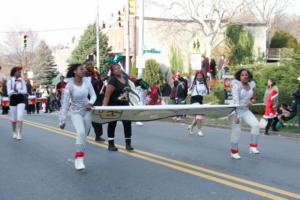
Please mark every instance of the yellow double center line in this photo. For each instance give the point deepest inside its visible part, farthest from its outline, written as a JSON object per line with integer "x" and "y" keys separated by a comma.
{"x": 211, "y": 175}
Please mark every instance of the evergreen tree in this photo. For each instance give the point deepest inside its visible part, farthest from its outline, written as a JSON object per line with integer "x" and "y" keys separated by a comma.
{"x": 152, "y": 72}
{"x": 87, "y": 46}
{"x": 44, "y": 68}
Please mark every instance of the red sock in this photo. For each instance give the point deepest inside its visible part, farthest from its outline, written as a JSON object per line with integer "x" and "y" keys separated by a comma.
{"x": 234, "y": 151}
{"x": 253, "y": 145}
{"x": 79, "y": 154}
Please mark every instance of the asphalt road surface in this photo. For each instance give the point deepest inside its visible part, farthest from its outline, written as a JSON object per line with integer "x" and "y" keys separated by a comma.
{"x": 167, "y": 164}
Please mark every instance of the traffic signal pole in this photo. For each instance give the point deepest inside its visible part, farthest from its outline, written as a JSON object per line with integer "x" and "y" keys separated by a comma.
{"x": 141, "y": 40}
{"x": 127, "y": 37}
{"x": 97, "y": 41}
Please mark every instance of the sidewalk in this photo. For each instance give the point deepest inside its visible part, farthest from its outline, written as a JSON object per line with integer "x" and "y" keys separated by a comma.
{"x": 225, "y": 124}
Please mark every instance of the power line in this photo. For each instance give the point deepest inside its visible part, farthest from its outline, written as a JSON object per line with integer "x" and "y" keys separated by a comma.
{"x": 47, "y": 30}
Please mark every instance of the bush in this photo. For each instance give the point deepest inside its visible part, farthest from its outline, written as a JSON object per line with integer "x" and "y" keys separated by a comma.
{"x": 152, "y": 72}
{"x": 217, "y": 95}
{"x": 283, "y": 39}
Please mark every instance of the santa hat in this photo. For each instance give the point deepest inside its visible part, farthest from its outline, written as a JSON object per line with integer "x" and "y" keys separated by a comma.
{"x": 199, "y": 72}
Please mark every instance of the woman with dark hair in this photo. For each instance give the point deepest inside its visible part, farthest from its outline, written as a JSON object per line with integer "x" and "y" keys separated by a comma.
{"x": 243, "y": 94}
{"x": 116, "y": 94}
{"x": 16, "y": 90}
{"x": 198, "y": 89}
{"x": 271, "y": 101}
{"x": 79, "y": 91}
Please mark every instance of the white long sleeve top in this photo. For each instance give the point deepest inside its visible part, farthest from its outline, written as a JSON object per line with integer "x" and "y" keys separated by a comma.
{"x": 78, "y": 96}
{"x": 240, "y": 96}
{"x": 20, "y": 86}
{"x": 198, "y": 89}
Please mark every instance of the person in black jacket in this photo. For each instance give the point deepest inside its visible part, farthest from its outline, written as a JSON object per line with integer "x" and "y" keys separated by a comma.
{"x": 165, "y": 90}
{"x": 99, "y": 88}
{"x": 296, "y": 95}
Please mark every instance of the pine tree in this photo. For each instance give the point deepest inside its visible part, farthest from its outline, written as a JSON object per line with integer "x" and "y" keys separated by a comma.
{"x": 152, "y": 72}
{"x": 44, "y": 67}
{"x": 87, "y": 46}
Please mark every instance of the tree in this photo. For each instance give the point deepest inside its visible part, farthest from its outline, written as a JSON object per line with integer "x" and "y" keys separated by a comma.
{"x": 176, "y": 60}
{"x": 87, "y": 46}
{"x": 212, "y": 16}
{"x": 152, "y": 72}
{"x": 44, "y": 68}
{"x": 240, "y": 42}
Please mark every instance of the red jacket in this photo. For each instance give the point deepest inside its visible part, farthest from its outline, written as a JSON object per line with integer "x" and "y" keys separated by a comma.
{"x": 154, "y": 95}
{"x": 271, "y": 101}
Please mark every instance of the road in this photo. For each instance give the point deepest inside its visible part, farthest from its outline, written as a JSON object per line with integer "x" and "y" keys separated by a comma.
{"x": 167, "y": 164}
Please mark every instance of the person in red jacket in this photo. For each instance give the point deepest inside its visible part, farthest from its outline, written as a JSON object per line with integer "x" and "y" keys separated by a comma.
{"x": 271, "y": 100}
{"x": 154, "y": 94}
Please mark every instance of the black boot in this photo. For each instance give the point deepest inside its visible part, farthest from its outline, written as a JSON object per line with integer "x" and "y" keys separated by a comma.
{"x": 267, "y": 132}
{"x": 99, "y": 139}
{"x": 128, "y": 145}
{"x": 111, "y": 146}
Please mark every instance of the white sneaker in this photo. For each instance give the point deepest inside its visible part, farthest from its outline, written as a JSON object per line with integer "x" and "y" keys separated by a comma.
{"x": 253, "y": 150}
{"x": 235, "y": 156}
{"x": 14, "y": 136}
{"x": 19, "y": 137}
{"x": 190, "y": 130}
{"x": 79, "y": 164}
{"x": 200, "y": 133}
{"x": 139, "y": 124}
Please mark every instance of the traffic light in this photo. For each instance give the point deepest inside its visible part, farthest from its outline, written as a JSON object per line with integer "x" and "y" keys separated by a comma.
{"x": 132, "y": 7}
{"x": 121, "y": 17}
{"x": 25, "y": 38}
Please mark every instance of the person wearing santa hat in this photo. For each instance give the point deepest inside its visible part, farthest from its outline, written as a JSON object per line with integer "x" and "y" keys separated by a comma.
{"x": 197, "y": 91}
{"x": 16, "y": 90}
{"x": 271, "y": 101}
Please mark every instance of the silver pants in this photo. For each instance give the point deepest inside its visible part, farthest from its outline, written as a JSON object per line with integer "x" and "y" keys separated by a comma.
{"x": 248, "y": 117}
{"x": 82, "y": 124}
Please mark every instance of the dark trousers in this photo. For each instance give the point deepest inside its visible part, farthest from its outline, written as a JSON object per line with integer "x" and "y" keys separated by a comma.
{"x": 5, "y": 110}
{"x": 271, "y": 122}
{"x": 112, "y": 126}
{"x": 30, "y": 108}
{"x": 298, "y": 114}
{"x": 48, "y": 109}
{"x": 97, "y": 129}
{"x": 37, "y": 107}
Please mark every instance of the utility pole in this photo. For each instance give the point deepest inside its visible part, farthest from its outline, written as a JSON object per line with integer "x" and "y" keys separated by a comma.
{"x": 97, "y": 41}
{"x": 141, "y": 40}
{"x": 127, "y": 37}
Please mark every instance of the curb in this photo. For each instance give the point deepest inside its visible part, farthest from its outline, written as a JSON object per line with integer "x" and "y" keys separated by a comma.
{"x": 272, "y": 133}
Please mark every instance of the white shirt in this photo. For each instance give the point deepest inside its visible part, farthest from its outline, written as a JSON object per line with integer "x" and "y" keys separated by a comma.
{"x": 20, "y": 86}
{"x": 198, "y": 89}
{"x": 78, "y": 96}
{"x": 241, "y": 96}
